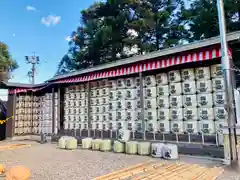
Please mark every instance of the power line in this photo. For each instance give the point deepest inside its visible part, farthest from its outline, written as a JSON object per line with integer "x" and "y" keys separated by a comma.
{"x": 32, "y": 60}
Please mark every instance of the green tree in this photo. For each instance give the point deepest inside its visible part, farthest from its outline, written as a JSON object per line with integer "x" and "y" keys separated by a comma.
{"x": 202, "y": 18}
{"x": 7, "y": 64}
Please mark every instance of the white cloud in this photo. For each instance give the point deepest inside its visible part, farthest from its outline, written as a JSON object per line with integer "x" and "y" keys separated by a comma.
{"x": 13, "y": 35}
{"x": 50, "y": 20}
{"x": 68, "y": 38}
{"x": 30, "y": 8}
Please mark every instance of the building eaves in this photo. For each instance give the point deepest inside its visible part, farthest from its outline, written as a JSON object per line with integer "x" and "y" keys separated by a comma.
{"x": 165, "y": 52}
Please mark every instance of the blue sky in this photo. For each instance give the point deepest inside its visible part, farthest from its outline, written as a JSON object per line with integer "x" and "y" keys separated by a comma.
{"x": 40, "y": 26}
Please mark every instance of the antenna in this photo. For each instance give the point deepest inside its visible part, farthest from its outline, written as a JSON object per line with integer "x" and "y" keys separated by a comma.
{"x": 32, "y": 60}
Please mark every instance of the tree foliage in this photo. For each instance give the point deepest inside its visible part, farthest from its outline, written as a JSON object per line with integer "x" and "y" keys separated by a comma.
{"x": 202, "y": 18}
{"x": 122, "y": 28}
{"x": 6, "y": 61}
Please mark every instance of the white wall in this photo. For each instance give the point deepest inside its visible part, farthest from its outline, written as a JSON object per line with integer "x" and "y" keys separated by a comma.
{"x": 3, "y": 94}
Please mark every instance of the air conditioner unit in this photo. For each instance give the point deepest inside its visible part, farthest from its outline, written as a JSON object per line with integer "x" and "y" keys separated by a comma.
{"x": 162, "y": 79}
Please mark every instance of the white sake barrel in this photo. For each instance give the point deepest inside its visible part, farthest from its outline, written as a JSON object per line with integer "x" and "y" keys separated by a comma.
{"x": 96, "y": 143}
{"x": 144, "y": 148}
{"x": 62, "y": 142}
{"x": 106, "y": 145}
{"x": 71, "y": 143}
{"x": 87, "y": 143}
{"x": 118, "y": 147}
{"x": 131, "y": 147}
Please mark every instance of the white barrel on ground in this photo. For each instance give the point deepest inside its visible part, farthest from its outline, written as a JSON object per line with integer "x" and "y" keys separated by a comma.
{"x": 144, "y": 148}
{"x": 131, "y": 147}
{"x": 118, "y": 147}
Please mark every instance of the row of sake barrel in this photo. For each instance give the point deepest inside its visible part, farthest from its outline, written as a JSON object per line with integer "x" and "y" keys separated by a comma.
{"x": 131, "y": 147}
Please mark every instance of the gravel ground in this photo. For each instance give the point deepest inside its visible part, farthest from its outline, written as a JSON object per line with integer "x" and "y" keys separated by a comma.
{"x": 46, "y": 162}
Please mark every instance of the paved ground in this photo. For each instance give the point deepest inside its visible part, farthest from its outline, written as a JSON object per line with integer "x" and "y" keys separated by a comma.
{"x": 47, "y": 162}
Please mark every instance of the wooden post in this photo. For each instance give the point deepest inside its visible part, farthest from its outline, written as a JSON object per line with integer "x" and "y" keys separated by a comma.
{"x": 53, "y": 110}
{"x": 11, "y": 111}
{"x": 142, "y": 106}
{"x": 89, "y": 106}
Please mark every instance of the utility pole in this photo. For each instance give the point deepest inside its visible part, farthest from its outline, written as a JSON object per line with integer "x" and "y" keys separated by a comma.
{"x": 227, "y": 65}
{"x": 32, "y": 60}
